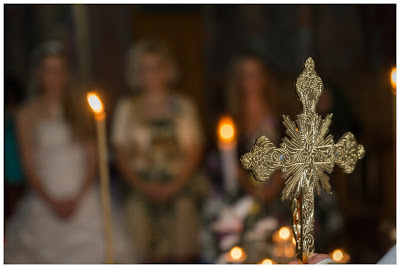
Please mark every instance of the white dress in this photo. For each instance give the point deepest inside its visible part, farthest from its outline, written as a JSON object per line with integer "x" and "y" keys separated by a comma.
{"x": 36, "y": 234}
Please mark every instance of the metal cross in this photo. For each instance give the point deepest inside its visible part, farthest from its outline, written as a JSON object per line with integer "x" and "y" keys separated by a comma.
{"x": 304, "y": 158}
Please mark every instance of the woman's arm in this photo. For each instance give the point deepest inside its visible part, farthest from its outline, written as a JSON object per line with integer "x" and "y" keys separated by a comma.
{"x": 192, "y": 158}
{"x": 120, "y": 137}
{"x": 191, "y": 142}
{"x": 160, "y": 193}
{"x": 122, "y": 161}
{"x": 90, "y": 171}
{"x": 24, "y": 124}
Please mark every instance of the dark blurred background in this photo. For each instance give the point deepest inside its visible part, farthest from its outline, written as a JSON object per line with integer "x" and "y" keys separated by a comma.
{"x": 354, "y": 48}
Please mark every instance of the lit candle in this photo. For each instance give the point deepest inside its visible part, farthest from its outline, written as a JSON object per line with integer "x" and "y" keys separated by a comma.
{"x": 228, "y": 153}
{"x": 100, "y": 117}
{"x": 393, "y": 82}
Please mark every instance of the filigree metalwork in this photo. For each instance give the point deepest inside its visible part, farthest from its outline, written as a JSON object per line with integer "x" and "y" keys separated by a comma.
{"x": 304, "y": 158}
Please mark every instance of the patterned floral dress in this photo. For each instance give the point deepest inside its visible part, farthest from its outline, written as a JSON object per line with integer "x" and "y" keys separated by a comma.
{"x": 168, "y": 231}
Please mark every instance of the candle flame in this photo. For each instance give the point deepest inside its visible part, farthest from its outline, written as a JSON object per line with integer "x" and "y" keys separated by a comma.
{"x": 267, "y": 261}
{"x": 284, "y": 233}
{"x": 337, "y": 255}
{"x": 226, "y": 130}
{"x": 393, "y": 79}
{"x": 95, "y": 103}
{"x": 236, "y": 253}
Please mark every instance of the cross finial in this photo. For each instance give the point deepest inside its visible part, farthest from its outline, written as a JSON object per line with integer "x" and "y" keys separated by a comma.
{"x": 309, "y": 86}
{"x": 304, "y": 158}
{"x": 309, "y": 64}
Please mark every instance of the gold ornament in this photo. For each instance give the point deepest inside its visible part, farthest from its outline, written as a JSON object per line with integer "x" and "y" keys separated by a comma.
{"x": 304, "y": 158}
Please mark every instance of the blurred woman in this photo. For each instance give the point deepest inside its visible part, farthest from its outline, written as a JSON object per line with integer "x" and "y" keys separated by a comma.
{"x": 252, "y": 103}
{"x": 60, "y": 219}
{"x": 158, "y": 144}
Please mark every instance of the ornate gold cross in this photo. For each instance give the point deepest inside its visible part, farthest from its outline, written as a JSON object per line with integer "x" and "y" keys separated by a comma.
{"x": 304, "y": 158}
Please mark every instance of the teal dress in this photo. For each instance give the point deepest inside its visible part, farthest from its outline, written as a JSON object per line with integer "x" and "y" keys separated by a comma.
{"x": 13, "y": 173}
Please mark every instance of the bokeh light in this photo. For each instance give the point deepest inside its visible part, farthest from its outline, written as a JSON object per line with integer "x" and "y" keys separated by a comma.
{"x": 284, "y": 233}
{"x": 236, "y": 253}
{"x": 267, "y": 261}
{"x": 393, "y": 79}
{"x": 289, "y": 252}
{"x": 337, "y": 255}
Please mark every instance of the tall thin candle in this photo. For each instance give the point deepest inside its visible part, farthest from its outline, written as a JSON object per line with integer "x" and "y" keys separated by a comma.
{"x": 228, "y": 153}
{"x": 100, "y": 117}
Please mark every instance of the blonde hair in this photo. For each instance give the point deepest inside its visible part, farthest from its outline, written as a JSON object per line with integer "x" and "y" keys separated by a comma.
{"x": 145, "y": 47}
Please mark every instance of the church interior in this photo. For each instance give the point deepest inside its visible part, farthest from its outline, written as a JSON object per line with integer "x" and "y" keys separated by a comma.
{"x": 170, "y": 78}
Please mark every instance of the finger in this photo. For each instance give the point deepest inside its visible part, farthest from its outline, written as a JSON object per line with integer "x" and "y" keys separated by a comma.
{"x": 316, "y": 258}
{"x": 311, "y": 256}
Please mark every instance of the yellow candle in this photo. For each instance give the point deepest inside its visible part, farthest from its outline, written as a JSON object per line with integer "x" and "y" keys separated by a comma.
{"x": 100, "y": 116}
